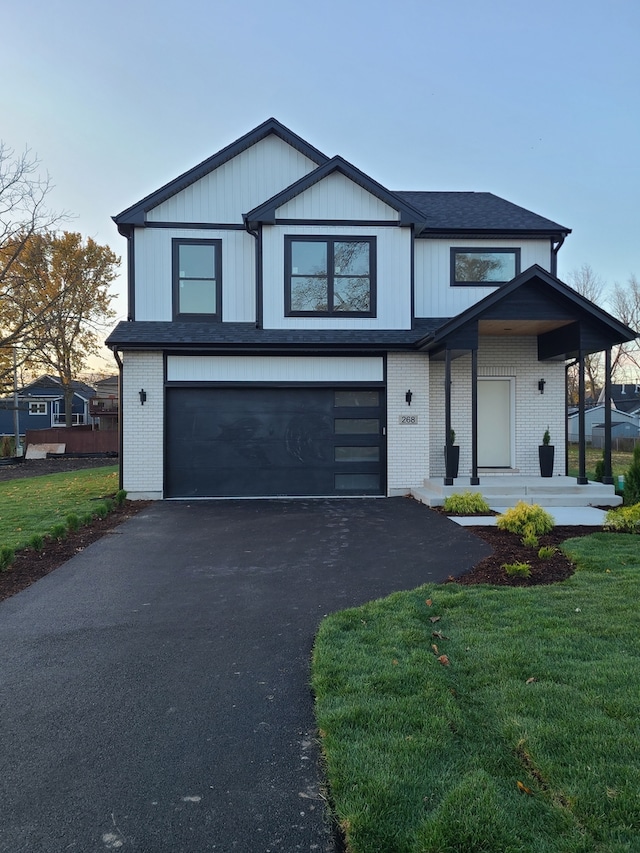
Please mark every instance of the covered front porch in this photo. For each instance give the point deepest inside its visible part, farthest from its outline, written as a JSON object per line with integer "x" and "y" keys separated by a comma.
{"x": 503, "y": 490}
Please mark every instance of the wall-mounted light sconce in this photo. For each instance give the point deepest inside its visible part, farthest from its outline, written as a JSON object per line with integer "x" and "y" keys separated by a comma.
{"x": 143, "y": 396}
{"x": 541, "y": 384}
{"x": 408, "y": 397}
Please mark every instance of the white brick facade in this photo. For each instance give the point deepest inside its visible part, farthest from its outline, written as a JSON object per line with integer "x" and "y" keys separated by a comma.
{"x": 515, "y": 358}
{"x": 143, "y": 425}
{"x": 407, "y": 444}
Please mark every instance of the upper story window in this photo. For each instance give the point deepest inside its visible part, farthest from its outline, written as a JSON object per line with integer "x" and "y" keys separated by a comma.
{"x": 37, "y": 408}
{"x": 197, "y": 281}
{"x": 330, "y": 276}
{"x": 484, "y": 266}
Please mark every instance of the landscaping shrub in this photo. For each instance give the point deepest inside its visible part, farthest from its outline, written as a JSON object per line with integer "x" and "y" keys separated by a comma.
{"x": 599, "y": 472}
{"x": 73, "y": 522}
{"x": 87, "y": 519}
{"x": 59, "y": 531}
{"x": 120, "y": 497}
{"x": 526, "y": 520}
{"x": 546, "y": 552}
{"x": 623, "y": 519}
{"x": 466, "y": 503}
{"x": 518, "y": 570}
{"x": 102, "y": 510}
{"x": 632, "y": 479}
{"x": 37, "y": 541}
{"x": 530, "y": 540}
{"x": 7, "y": 556}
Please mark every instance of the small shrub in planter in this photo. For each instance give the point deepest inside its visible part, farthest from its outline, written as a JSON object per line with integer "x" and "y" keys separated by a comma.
{"x": 517, "y": 570}
{"x": 7, "y": 556}
{"x": 623, "y": 519}
{"x": 526, "y": 519}
{"x": 467, "y": 503}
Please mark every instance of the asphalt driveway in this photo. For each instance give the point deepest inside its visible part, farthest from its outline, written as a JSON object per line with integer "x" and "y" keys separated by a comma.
{"x": 154, "y": 690}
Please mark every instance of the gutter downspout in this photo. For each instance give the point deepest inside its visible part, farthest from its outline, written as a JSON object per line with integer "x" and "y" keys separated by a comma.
{"x": 258, "y": 238}
{"x": 554, "y": 255}
{"x": 120, "y": 441}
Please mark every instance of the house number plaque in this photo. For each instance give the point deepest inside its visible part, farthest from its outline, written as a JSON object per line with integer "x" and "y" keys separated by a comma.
{"x": 407, "y": 420}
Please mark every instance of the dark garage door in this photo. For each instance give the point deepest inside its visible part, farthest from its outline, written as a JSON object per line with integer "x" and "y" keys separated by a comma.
{"x": 258, "y": 442}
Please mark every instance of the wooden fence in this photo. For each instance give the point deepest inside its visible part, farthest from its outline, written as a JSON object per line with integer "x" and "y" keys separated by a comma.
{"x": 77, "y": 439}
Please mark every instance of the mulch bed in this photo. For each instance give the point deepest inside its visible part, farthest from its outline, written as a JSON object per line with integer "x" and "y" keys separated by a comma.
{"x": 507, "y": 548}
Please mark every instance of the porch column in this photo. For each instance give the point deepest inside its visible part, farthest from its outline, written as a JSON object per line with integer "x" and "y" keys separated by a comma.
{"x": 582, "y": 453}
{"x": 448, "y": 481}
{"x": 608, "y": 472}
{"x": 475, "y": 480}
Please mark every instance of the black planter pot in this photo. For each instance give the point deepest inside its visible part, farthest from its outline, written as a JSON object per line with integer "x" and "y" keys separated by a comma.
{"x": 451, "y": 461}
{"x": 545, "y": 454}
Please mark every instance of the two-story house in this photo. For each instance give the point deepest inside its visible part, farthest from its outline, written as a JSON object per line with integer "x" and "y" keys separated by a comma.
{"x": 295, "y": 328}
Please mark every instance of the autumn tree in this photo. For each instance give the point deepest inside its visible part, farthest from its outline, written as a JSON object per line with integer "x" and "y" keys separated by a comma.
{"x": 23, "y": 214}
{"x": 625, "y": 304}
{"x": 70, "y": 280}
{"x": 590, "y": 285}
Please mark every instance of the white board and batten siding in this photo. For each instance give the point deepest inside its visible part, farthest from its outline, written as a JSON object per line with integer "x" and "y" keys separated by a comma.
{"x": 434, "y": 295}
{"x": 237, "y": 186}
{"x": 192, "y": 368}
{"x": 337, "y": 197}
{"x": 153, "y": 277}
{"x": 393, "y": 278}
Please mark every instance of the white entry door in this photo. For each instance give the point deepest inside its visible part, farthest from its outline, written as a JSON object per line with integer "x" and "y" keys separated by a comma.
{"x": 495, "y": 423}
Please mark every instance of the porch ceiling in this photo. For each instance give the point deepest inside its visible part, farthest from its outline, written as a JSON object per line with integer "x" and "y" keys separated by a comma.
{"x": 510, "y": 328}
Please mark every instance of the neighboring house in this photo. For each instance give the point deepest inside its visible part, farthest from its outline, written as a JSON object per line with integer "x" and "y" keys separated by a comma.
{"x": 104, "y": 406}
{"x": 621, "y": 429}
{"x": 595, "y": 417}
{"x": 625, "y": 397}
{"x": 295, "y": 328}
{"x": 41, "y": 406}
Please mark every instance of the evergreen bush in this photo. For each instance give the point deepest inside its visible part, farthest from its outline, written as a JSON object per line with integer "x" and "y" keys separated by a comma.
{"x": 526, "y": 520}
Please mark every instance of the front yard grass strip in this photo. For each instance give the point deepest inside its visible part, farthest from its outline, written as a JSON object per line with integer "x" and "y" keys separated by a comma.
{"x": 32, "y": 507}
{"x": 526, "y": 740}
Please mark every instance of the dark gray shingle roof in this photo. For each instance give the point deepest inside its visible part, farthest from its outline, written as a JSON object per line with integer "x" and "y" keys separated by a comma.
{"x": 476, "y": 212}
{"x": 245, "y": 336}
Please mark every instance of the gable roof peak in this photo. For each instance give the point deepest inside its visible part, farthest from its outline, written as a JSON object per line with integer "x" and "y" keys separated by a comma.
{"x": 135, "y": 214}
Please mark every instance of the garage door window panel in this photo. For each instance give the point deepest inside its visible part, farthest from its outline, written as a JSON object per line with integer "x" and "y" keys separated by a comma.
{"x": 197, "y": 280}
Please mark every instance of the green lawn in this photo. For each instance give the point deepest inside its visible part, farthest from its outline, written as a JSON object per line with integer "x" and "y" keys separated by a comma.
{"x": 34, "y": 505}
{"x": 620, "y": 461}
{"x": 527, "y": 741}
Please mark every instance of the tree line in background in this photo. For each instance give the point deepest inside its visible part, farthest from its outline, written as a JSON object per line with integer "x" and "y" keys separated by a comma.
{"x": 623, "y": 302}
{"x": 54, "y": 284}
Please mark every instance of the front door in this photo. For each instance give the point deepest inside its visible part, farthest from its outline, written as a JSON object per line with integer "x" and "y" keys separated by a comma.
{"x": 494, "y": 423}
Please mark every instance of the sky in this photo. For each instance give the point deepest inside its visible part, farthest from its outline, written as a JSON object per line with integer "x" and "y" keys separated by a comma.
{"x": 536, "y": 102}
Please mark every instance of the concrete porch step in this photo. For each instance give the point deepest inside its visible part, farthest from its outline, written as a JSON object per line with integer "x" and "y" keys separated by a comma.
{"x": 504, "y": 491}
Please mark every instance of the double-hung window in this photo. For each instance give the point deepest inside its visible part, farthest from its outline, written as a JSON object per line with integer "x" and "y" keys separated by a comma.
{"x": 330, "y": 276}
{"x": 197, "y": 282}
{"x": 37, "y": 408}
{"x": 484, "y": 266}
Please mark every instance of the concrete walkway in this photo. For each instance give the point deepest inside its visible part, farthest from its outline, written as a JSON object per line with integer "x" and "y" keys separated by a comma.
{"x": 563, "y": 515}
{"x": 155, "y": 689}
